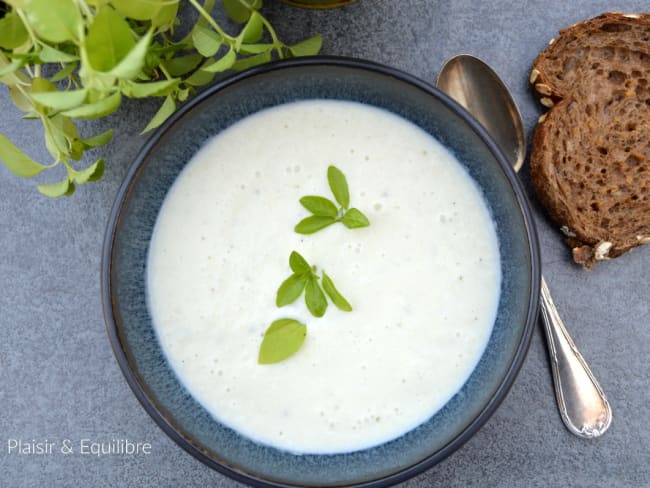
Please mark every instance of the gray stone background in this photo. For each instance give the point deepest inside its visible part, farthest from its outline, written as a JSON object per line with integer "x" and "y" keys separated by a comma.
{"x": 58, "y": 377}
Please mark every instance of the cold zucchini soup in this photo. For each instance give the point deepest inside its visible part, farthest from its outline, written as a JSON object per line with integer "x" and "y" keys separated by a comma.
{"x": 323, "y": 276}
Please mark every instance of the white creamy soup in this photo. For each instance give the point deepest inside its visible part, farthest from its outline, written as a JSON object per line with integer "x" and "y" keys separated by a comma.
{"x": 423, "y": 279}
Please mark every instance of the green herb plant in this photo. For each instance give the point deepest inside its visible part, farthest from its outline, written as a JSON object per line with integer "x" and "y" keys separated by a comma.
{"x": 285, "y": 337}
{"x": 67, "y": 60}
{"x": 325, "y": 212}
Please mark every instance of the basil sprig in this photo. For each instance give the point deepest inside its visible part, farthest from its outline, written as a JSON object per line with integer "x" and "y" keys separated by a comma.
{"x": 325, "y": 212}
{"x": 305, "y": 278}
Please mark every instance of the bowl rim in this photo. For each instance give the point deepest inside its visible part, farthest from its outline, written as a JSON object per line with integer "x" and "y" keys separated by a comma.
{"x": 335, "y": 61}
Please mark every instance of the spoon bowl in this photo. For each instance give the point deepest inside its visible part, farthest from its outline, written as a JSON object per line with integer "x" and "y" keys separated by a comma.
{"x": 473, "y": 84}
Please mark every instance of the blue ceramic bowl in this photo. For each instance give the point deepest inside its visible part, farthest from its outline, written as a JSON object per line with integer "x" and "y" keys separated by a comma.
{"x": 134, "y": 214}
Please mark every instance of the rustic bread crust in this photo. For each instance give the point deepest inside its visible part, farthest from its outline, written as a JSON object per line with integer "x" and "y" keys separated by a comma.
{"x": 590, "y": 159}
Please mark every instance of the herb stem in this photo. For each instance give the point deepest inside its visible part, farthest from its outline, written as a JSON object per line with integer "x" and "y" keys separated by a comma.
{"x": 85, "y": 9}
{"x": 27, "y": 25}
{"x": 211, "y": 21}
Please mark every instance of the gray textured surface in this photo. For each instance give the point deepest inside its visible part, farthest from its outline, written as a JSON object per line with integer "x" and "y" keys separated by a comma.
{"x": 58, "y": 377}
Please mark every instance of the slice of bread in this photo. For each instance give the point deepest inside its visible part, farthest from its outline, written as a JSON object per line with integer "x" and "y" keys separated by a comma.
{"x": 590, "y": 159}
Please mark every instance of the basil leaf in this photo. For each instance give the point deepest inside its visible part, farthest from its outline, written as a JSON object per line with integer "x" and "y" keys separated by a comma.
{"x": 61, "y": 100}
{"x": 339, "y": 186}
{"x": 255, "y": 48}
{"x": 354, "y": 219}
{"x": 48, "y": 54}
{"x": 138, "y": 9}
{"x": 17, "y": 161}
{"x": 319, "y": 206}
{"x": 150, "y": 89}
{"x": 240, "y": 11}
{"x": 282, "y": 339}
{"x": 20, "y": 99}
{"x": 222, "y": 64}
{"x": 55, "y": 23}
{"x": 200, "y": 77}
{"x": 12, "y": 31}
{"x": 336, "y": 297}
{"x": 98, "y": 140}
{"x": 56, "y": 190}
{"x": 133, "y": 62}
{"x": 10, "y": 68}
{"x": 252, "y": 32}
{"x": 95, "y": 110}
{"x": 165, "y": 15}
{"x": 66, "y": 71}
{"x": 313, "y": 224}
{"x": 182, "y": 65}
{"x": 92, "y": 173}
{"x": 308, "y": 47}
{"x": 206, "y": 41}
{"x": 166, "y": 109}
{"x": 298, "y": 264}
{"x": 290, "y": 290}
{"x": 109, "y": 39}
{"x": 250, "y": 61}
{"x": 315, "y": 298}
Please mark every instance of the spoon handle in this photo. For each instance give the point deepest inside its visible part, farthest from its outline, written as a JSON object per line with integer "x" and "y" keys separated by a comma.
{"x": 583, "y": 405}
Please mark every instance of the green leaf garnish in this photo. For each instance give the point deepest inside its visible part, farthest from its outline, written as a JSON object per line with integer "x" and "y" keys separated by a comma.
{"x": 325, "y": 212}
{"x": 298, "y": 264}
{"x": 313, "y": 224}
{"x": 336, "y": 297}
{"x": 353, "y": 219}
{"x": 315, "y": 298}
{"x": 339, "y": 186}
{"x": 281, "y": 340}
{"x": 290, "y": 289}
{"x": 320, "y": 206}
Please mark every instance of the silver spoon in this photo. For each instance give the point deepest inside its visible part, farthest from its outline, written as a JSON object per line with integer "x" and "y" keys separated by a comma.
{"x": 472, "y": 83}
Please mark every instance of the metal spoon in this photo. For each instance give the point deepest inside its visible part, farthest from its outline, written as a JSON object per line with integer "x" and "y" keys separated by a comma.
{"x": 472, "y": 83}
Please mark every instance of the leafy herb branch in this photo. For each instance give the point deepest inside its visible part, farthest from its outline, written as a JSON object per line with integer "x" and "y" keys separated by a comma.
{"x": 305, "y": 278}
{"x": 105, "y": 50}
{"x": 325, "y": 212}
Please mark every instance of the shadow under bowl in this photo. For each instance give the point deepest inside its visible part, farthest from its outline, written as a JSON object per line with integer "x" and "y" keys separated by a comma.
{"x": 132, "y": 221}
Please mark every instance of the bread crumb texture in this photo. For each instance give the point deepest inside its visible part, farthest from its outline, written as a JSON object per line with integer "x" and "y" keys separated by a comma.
{"x": 590, "y": 154}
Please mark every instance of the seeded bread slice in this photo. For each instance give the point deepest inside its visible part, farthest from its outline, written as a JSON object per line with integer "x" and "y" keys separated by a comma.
{"x": 590, "y": 159}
